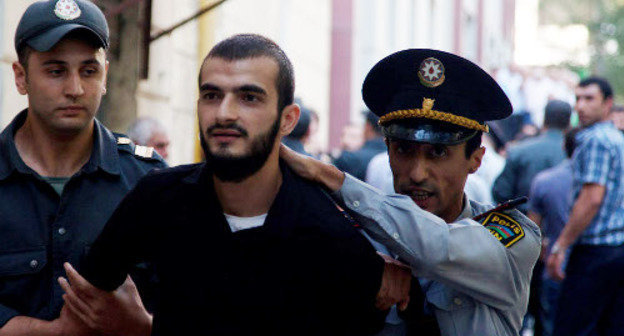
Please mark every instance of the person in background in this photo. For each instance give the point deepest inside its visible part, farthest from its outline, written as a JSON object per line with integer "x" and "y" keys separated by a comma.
{"x": 147, "y": 131}
{"x": 295, "y": 139}
{"x": 524, "y": 160}
{"x": 62, "y": 173}
{"x": 549, "y": 207}
{"x": 617, "y": 116}
{"x": 530, "y": 156}
{"x": 591, "y": 291}
{"x": 356, "y": 162}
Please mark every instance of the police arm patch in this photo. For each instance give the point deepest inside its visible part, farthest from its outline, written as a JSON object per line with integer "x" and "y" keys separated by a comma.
{"x": 506, "y": 229}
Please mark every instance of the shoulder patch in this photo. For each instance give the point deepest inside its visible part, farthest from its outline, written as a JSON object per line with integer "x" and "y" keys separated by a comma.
{"x": 143, "y": 151}
{"x": 506, "y": 229}
{"x": 123, "y": 141}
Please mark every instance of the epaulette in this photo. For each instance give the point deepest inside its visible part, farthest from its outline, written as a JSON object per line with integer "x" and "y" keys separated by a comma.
{"x": 501, "y": 223}
{"x": 124, "y": 143}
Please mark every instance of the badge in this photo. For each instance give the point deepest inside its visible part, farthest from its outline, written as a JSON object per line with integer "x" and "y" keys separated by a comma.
{"x": 67, "y": 9}
{"x": 143, "y": 151}
{"x": 124, "y": 141}
{"x": 507, "y": 230}
{"x": 431, "y": 72}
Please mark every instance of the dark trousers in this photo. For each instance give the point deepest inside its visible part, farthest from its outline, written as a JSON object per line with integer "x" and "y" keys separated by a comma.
{"x": 591, "y": 301}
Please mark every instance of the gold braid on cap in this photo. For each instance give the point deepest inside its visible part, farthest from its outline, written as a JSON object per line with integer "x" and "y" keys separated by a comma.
{"x": 428, "y": 113}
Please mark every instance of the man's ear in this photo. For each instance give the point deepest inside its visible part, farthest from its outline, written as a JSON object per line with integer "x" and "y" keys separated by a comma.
{"x": 290, "y": 117}
{"x": 475, "y": 159}
{"x": 21, "y": 81}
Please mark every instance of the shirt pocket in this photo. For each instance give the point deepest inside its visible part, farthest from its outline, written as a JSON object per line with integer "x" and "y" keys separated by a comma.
{"x": 22, "y": 262}
{"x": 449, "y": 300}
{"x": 20, "y": 275}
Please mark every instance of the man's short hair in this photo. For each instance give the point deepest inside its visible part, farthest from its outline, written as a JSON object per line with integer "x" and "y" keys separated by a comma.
{"x": 245, "y": 46}
{"x": 473, "y": 143}
{"x": 557, "y": 114}
{"x": 603, "y": 84}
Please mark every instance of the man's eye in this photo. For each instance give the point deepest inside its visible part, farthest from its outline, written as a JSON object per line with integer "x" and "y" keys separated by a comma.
{"x": 404, "y": 148}
{"x": 250, "y": 98}
{"x": 210, "y": 95}
{"x": 438, "y": 151}
{"x": 55, "y": 72}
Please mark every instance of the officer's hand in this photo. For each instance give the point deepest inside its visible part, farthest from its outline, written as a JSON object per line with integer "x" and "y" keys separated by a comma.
{"x": 119, "y": 313}
{"x": 554, "y": 265}
{"x": 311, "y": 169}
{"x": 395, "y": 285}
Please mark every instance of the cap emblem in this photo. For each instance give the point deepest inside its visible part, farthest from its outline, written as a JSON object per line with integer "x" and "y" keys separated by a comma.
{"x": 67, "y": 9}
{"x": 431, "y": 72}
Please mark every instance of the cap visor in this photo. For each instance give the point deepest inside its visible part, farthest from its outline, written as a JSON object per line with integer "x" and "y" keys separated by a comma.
{"x": 426, "y": 133}
{"x": 50, "y": 38}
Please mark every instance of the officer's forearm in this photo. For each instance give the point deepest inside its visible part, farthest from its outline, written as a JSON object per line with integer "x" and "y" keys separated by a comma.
{"x": 28, "y": 326}
{"x": 329, "y": 176}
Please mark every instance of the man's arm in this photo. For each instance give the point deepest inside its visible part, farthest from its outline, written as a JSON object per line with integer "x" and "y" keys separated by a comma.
{"x": 66, "y": 324}
{"x": 583, "y": 212}
{"x": 463, "y": 255}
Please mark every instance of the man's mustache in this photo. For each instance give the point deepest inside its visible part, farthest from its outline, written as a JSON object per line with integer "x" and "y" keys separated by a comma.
{"x": 234, "y": 127}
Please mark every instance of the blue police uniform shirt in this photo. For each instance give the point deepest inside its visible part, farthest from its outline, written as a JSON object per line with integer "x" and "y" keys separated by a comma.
{"x": 42, "y": 229}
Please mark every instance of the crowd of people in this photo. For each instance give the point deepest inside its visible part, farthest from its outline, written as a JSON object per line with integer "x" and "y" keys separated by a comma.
{"x": 398, "y": 233}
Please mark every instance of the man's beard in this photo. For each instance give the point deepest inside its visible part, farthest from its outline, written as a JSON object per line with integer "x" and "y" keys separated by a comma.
{"x": 230, "y": 168}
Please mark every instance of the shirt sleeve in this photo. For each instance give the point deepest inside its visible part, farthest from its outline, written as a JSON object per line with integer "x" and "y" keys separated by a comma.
{"x": 595, "y": 161}
{"x": 536, "y": 196}
{"x": 123, "y": 243}
{"x": 462, "y": 255}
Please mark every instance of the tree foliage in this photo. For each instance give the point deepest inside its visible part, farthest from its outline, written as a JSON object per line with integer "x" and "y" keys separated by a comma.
{"x": 605, "y": 22}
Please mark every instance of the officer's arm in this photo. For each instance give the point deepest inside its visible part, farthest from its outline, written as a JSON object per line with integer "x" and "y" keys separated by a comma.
{"x": 466, "y": 257}
{"x": 66, "y": 324}
{"x": 463, "y": 255}
{"x": 24, "y": 326}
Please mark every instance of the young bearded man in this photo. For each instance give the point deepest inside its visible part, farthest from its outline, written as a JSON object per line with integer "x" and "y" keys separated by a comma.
{"x": 474, "y": 271}
{"x": 62, "y": 173}
{"x": 240, "y": 244}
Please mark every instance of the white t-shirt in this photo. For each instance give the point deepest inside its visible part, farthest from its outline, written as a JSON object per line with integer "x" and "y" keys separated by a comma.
{"x": 243, "y": 223}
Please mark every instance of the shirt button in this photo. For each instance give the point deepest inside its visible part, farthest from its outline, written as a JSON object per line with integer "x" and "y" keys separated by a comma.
{"x": 395, "y": 235}
{"x": 458, "y": 301}
{"x": 356, "y": 203}
{"x": 62, "y": 231}
{"x": 34, "y": 263}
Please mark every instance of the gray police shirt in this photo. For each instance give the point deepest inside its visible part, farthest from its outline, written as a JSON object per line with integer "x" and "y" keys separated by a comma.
{"x": 475, "y": 275}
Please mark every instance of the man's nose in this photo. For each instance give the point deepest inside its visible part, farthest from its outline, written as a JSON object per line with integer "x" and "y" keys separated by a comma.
{"x": 73, "y": 85}
{"x": 228, "y": 109}
{"x": 419, "y": 171}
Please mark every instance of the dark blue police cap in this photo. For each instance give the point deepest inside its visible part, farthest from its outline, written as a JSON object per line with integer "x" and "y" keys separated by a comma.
{"x": 45, "y": 23}
{"x": 433, "y": 96}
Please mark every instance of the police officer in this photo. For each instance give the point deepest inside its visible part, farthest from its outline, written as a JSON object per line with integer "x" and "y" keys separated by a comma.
{"x": 473, "y": 262}
{"x": 62, "y": 173}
